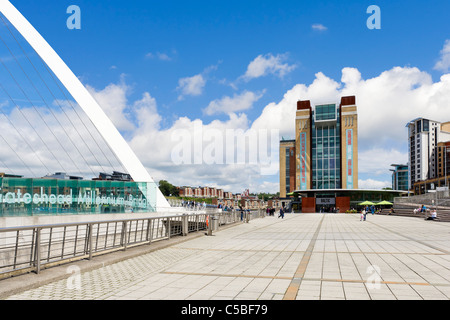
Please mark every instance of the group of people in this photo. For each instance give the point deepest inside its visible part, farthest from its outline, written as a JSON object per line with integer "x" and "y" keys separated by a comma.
{"x": 422, "y": 209}
{"x": 329, "y": 210}
{"x": 365, "y": 211}
{"x": 193, "y": 204}
{"x": 425, "y": 210}
{"x": 271, "y": 212}
{"x": 242, "y": 210}
{"x": 225, "y": 208}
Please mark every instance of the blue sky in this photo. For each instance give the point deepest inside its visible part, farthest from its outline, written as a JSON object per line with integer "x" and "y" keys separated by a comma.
{"x": 151, "y": 45}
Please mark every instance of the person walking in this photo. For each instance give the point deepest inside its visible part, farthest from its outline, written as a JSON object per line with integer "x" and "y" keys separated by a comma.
{"x": 281, "y": 213}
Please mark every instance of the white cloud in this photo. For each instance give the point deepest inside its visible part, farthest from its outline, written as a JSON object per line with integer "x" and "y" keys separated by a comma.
{"x": 191, "y": 86}
{"x": 378, "y": 160}
{"x": 371, "y": 184}
{"x": 159, "y": 56}
{"x": 241, "y": 102}
{"x": 444, "y": 62}
{"x": 267, "y": 64}
{"x": 113, "y": 100}
{"x": 319, "y": 27}
{"x": 386, "y": 102}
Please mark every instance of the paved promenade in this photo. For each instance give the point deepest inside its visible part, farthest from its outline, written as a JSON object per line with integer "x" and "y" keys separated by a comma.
{"x": 303, "y": 256}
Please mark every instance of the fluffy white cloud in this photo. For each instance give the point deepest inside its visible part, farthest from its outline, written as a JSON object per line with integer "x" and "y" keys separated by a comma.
{"x": 267, "y": 64}
{"x": 159, "y": 56}
{"x": 385, "y": 103}
{"x": 444, "y": 62}
{"x": 371, "y": 184}
{"x": 113, "y": 100}
{"x": 319, "y": 27}
{"x": 239, "y": 102}
{"x": 191, "y": 86}
{"x": 378, "y": 160}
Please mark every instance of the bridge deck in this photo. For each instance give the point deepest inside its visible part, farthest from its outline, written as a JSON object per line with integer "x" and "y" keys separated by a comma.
{"x": 303, "y": 256}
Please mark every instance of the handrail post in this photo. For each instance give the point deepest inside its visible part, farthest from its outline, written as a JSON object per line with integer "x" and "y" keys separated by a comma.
{"x": 37, "y": 255}
{"x": 149, "y": 231}
{"x": 209, "y": 224}
{"x": 168, "y": 227}
{"x": 124, "y": 235}
{"x": 184, "y": 225}
{"x": 90, "y": 230}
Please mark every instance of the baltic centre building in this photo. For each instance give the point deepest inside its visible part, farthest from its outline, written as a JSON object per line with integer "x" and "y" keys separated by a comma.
{"x": 321, "y": 164}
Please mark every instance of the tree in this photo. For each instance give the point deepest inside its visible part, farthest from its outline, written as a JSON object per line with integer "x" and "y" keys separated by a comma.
{"x": 266, "y": 196}
{"x": 168, "y": 189}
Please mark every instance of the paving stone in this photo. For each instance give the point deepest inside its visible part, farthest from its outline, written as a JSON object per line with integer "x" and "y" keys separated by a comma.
{"x": 338, "y": 257}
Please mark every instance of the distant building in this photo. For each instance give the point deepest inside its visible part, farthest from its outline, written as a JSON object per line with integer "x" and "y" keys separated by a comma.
{"x": 62, "y": 176}
{"x": 198, "y": 192}
{"x": 427, "y": 150}
{"x": 400, "y": 177}
{"x": 287, "y": 167}
{"x": 7, "y": 175}
{"x": 115, "y": 176}
{"x": 324, "y": 154}
{"x": 186, "y": 192}
{"x": 443, "y": 163}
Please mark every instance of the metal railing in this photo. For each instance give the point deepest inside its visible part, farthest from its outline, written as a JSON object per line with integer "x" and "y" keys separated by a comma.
{"x": 29, "y": 249}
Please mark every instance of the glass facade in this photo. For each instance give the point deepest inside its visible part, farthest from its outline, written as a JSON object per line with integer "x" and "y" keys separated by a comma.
{"x": 29, "y": 197}
{"x": 400, "y": 177}
{"x": 325, "y": 112}
{"x": 326, "y": 149}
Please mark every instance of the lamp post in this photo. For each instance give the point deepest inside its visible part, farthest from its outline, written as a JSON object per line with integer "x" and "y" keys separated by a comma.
{"x": 445, "y": 165}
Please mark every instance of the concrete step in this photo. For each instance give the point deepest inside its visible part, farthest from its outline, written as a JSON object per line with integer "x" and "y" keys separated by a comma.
{"x": 443, "y": 215}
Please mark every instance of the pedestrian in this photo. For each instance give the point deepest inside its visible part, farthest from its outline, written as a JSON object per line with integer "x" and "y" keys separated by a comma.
{"x": 281, "y": 213}
{"x": 363, "y": 214}
{"x": 242, "y": 213}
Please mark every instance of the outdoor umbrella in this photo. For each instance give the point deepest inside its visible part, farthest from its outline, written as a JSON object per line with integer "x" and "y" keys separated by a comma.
{"x": 366, "y": 203}
{"x": 384, "y": 202}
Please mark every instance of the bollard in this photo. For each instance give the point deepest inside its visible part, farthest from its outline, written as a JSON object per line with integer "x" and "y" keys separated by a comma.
{"x": 184, "y": 225}
{"x": 209, "y": 226}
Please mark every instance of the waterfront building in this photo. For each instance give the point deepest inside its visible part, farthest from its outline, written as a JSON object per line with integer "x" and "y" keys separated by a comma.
{"x": 427, "y": 153}
{"x": 324, "y": 154}
{"x": 400, "y": 177}
{"x": 287, "y": 167}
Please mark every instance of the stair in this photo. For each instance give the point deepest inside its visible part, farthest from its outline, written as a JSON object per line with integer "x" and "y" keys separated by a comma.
{"x": 408, "y": 211}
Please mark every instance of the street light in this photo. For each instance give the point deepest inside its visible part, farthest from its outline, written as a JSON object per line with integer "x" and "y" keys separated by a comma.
{"x": 445, "y": 164}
